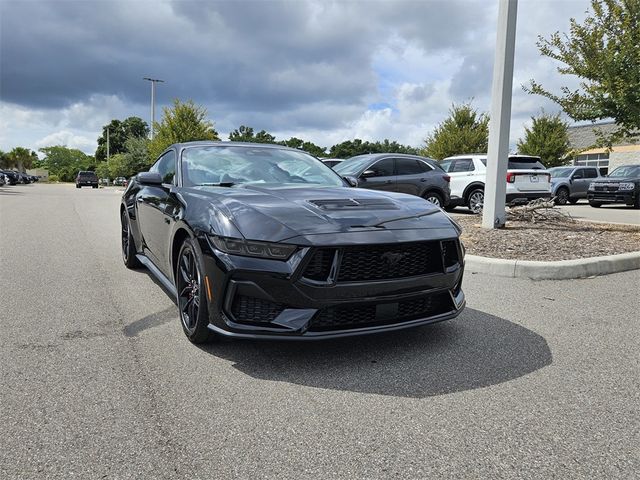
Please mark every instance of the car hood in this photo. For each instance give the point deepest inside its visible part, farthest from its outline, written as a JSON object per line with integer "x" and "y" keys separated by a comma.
{"x": 616, "y": 179}
{"x": 277, "y": 214}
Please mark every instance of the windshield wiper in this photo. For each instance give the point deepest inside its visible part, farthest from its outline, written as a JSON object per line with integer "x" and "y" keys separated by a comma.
{"x": 221, "y": 184}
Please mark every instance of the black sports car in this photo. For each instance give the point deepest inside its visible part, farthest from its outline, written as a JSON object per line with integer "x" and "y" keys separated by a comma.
{"x": 264, "y": 241}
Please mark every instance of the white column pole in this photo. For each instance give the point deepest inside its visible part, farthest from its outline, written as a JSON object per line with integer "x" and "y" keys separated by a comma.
{"x": 495, "y": 189}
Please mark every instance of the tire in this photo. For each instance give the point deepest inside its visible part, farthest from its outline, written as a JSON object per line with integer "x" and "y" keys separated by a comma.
{"x": 94, "y": 186}
{"x": 562, "y": 196}
{"x": 595, "y": 204}
{"x": 190, "y": 293}
{"x": 636, "y": 204}
{"x": 128, "y": 246}
{"x": 573, "y": 201}
{"x": 433, "y": 197}
{"x": 475, "y": 200}
{"x": 78, "y": 186}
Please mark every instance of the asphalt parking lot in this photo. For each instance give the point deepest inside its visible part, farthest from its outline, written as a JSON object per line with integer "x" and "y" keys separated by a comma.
{"x": 583, "y": 211}
{"x": 533, "y": 380}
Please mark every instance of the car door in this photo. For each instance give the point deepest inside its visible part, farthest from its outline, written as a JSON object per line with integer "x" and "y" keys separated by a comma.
{"x": 590, "y": 174}
{"x": 412, "y": 176}
{"x": 379, "y": 176}
{"x": 462, "y": 172}
{"x": 579, "y": 183}
{"x": 155, "y": 209}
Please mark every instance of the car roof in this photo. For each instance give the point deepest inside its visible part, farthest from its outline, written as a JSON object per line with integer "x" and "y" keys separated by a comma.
{"x": 484, "y": 155}
{"x": 211, "y": 143}
{"x": 396, "y": 155}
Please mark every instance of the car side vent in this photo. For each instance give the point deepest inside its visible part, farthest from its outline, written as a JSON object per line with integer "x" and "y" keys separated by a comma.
{"x": 450, "y": 254}
{"x": 354, "y": 204}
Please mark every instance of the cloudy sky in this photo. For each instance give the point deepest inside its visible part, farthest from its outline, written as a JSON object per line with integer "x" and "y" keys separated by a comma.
{"x": 326, "y": 71}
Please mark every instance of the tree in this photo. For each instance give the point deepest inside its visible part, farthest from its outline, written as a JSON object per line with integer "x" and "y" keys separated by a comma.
{"x": 136, "y": 156}
{"x": 245, "y": 134}
{"x": 20, "y": 158}
{"x": 603, "y": 53}
{"x": 184, "y": 122}
{"x": 65, "y": 162}
{"x": 464, "y": 131}
{"x": 351, "y": 148}
{"x": 119, "y": 132}
{"x": 242, "y": 134}
{"x": 547, "y": 138}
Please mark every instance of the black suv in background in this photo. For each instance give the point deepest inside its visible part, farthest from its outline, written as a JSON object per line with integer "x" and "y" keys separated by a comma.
{"x": 87, "y": 179}
{"x": 620, "y": 186}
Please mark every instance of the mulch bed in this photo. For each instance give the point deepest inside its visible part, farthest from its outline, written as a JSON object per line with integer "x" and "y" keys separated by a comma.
{"x": 547, "y": 241}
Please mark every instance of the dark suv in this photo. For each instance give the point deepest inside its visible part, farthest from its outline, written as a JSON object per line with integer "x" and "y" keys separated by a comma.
{"x": 620, "y": 186}
{"x": 394, "y": 172}
{"x": 87, "y": 179}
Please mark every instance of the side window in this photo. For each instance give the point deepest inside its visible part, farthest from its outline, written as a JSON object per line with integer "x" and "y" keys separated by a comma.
{"x": 462, "y": 165}
{"x": 407, "y": 166}
{"x": 382, "y": 168}
{"x": 424, "y": 166}
{"x": 166, "y": 167}
{"x": 445, "y": 165}
{"x": 579, "y": 173}
{"x": 590, "y": 173}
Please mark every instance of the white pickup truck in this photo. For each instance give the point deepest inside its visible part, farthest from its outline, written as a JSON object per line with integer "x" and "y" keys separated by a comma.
{"x": 527, "y": 179}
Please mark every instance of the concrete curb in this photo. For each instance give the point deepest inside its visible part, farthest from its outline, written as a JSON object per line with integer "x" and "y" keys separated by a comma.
{"x": 559, "y": 270}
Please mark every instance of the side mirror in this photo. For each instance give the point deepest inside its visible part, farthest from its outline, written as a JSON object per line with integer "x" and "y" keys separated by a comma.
{"x": 149, "y": 178}
{"x": 352, "y": 181}
{"x": 368, "y": 173}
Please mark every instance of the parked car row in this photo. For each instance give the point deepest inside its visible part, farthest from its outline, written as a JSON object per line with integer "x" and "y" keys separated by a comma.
{"x": 454, "y": 181}
{"x": 13, "y": 177}
{"x": 460, "y": 180}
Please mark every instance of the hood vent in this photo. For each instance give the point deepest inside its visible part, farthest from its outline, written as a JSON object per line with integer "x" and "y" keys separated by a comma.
{"x": 355, "y": 204}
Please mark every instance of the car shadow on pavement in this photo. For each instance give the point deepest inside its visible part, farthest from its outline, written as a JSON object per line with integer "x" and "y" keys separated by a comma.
{"x": 475, "y": 350}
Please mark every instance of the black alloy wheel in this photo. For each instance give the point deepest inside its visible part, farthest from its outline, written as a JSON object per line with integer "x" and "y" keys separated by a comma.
{"x": 128, "y": 246}
{"x": 434, "y": 198}
{"x": 562, "y": 196}
{"x": 191, "y": 293}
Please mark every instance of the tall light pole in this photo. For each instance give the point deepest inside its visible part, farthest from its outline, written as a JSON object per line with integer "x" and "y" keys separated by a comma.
{"x": 497, "y": 155}
{"x": 153, "y": 100}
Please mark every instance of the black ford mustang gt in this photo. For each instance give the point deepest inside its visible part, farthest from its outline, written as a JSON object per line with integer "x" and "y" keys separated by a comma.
{"x": 264, "y": 241}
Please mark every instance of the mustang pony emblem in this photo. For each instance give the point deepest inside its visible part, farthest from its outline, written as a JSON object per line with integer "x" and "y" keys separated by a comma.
{"x": 393, "y": 258}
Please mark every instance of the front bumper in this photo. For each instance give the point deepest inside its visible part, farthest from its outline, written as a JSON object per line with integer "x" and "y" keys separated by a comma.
{"x": 255, "y": 298}
{"x": 628, "y": 197}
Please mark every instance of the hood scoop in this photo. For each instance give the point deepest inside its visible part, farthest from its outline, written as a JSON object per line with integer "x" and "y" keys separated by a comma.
{"x": 354, "y": 204}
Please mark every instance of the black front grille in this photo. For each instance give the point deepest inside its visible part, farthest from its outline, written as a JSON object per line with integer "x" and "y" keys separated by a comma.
{"x": 383, "y": 262}
{"x": 254, "y": 310}
{"x": 359, "y": 316}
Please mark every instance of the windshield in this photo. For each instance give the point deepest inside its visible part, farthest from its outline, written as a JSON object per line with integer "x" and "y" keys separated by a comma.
{"x": 353, "y": 166}
{"x": 243, "y": 165}
{"x": 626, "y": 171}
{"x": 560, "y": 172}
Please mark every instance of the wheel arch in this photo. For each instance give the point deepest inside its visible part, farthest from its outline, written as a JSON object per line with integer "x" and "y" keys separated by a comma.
{"x": 181, "y": 233}
{"x": 470, "y": 188}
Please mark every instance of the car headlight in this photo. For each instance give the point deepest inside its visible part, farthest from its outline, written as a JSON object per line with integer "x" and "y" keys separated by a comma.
{"x": 627, "y": 186}
{"x": 244, "y": 248}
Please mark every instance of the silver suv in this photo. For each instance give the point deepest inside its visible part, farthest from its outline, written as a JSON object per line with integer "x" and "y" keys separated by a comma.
{"x": 570, "y": 184}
